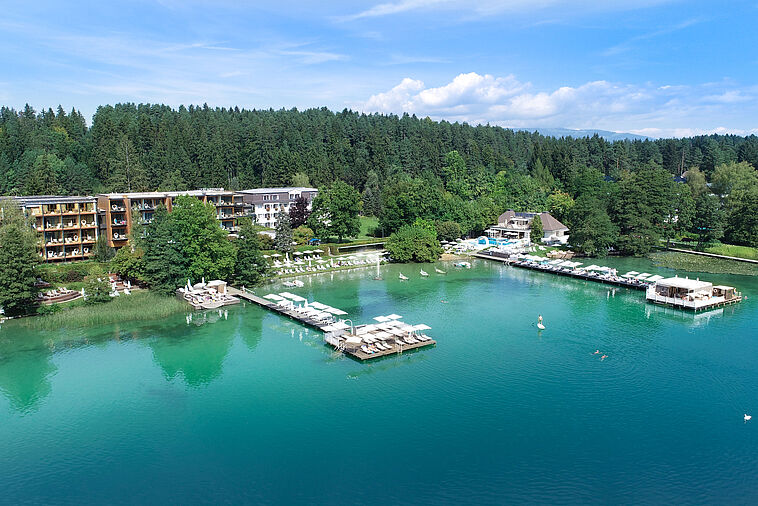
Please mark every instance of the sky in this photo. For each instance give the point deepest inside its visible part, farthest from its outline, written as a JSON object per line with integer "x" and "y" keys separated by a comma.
{"x": 664, "y": 68}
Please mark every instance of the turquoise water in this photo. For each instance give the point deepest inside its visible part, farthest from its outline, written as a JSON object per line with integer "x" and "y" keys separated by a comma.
{"x": 251, "y": 407}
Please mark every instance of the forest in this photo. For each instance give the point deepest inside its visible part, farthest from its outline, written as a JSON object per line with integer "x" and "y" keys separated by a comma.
{"x": 614, "y": 195}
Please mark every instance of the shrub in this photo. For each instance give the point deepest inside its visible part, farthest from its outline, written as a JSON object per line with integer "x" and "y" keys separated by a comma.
{"x": 413, "y": 243}
{"x": 302, "y": 234}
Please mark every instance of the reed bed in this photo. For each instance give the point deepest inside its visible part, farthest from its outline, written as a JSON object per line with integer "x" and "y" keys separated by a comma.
{"x": 140, "y": 305}
{"x": 699, "y": 263}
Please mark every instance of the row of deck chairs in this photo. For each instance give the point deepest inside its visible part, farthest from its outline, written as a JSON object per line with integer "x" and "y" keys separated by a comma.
{"x": 308, "y": 312}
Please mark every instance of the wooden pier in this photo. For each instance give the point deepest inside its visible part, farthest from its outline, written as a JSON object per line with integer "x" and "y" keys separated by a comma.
{"x": 272, "y": 306}
{"x": 397, "y": 346}
{"x": 527, "y": 265}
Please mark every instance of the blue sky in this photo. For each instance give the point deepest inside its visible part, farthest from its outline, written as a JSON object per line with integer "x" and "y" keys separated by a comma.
{"x": 656, "y": 67}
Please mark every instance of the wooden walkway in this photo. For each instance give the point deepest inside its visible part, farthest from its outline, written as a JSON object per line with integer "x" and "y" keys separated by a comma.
{"x": 319, "y": 325}
{"x": 570, "y": 274}
{"x": 272, "y": 306}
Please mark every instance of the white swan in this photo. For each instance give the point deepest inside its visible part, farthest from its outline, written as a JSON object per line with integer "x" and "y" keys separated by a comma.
{"x": 747, "y": 417}
{"x": 403, "y": 277}
{"x": 438, "y": 271}
{"x": 423, "y": 272}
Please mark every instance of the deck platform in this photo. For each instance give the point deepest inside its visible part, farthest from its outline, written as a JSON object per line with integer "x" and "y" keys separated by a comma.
{"x": 586, "y": 277}
{"x": 396, "y": 348}
{"x": 355, "y": 352}
{"x": 272, "y": 306}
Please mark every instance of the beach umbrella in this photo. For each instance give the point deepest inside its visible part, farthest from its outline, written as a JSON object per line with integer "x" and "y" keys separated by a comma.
{"x": 421, "y": 326}
{"x": 393, "y": 316}
{"x": 266, "y": 256}
{"x": 298, "y": 253}
{"x": 381, "y": 319}
{"x": 276, "y": 255}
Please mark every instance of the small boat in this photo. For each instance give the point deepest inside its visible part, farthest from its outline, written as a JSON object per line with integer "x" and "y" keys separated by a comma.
{"x": 439, "y": 271}
{"x": 424, "y": 273}
{"x": 463, "y": 265}
{"x": 403, "y": 277}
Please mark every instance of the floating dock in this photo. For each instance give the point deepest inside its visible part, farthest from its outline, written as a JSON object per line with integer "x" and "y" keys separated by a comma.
{"x": 634, "y": 285}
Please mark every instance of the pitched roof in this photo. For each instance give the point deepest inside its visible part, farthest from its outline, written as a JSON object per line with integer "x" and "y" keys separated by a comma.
{"x": 550, "y": 223}
{"x": 503, "y": 218}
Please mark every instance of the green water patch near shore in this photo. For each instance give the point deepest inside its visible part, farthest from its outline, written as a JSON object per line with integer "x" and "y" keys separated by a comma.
{"x": 699, "y": 263}
{"x": 141, "y": 305}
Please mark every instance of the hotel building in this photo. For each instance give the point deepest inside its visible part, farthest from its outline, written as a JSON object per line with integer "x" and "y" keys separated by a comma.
{"x": 267, "y": 203}
{"x": 116, "y": 209}
{"x": 67, "y": 226}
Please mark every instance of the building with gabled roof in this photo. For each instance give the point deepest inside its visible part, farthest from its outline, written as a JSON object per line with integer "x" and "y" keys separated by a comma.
{"x": 514, "y": 225}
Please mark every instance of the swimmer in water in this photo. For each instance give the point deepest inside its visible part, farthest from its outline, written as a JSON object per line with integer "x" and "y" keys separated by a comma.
{"x": 597, "y": 352}
{"x": 444, "y": 301}
{"x": 603, "y": 357}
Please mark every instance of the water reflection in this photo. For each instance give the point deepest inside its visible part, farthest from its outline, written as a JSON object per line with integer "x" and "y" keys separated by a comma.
{"x": 196, "y": 351}
{"x": 26, "y": 369}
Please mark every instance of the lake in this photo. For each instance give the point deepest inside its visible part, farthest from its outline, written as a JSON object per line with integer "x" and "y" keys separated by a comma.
{"x": 248, "y": 406}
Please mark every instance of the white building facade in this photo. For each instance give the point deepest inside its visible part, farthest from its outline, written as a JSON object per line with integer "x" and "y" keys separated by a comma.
{"x": 269, "y": 202}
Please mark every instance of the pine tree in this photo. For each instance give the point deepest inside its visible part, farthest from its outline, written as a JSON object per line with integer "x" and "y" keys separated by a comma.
{"x": 18, "y": 261}
{"x": 250, "y": 267}
{"x": 283, "y": 228}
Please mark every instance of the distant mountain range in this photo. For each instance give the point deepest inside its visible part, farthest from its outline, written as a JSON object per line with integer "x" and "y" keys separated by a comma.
{"x": 568, "y": 132}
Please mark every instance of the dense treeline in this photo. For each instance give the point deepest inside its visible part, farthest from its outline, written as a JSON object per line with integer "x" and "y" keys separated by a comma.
{"x": 613, "y": 195}
{"x": 154, "y": 146}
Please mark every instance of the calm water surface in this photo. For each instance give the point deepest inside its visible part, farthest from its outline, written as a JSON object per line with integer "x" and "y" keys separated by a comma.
{"x": 252, "y": 407}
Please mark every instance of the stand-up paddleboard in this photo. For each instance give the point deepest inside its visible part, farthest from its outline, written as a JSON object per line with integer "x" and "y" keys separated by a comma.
{"x": 540, "y": 326}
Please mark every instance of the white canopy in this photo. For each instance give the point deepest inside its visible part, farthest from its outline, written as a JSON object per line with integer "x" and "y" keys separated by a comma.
{"x": 318, "y": 305}
{"x": 655, "y": 278}
{"x": 340, "y": 325}
{"x": 632, "y": 273}
{"x": 353, "y": 340}
{"x": 421, "y": 326}
{"x": 393, "y": 316}
{"x": 685, "y": 283}
{"x": 382, "y": 335}
{"x": 273, "y": 296}
{"x": 382, "y": 318}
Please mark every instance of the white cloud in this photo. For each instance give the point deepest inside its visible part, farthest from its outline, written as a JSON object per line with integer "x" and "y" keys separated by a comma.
{"x": 493, "y": 7}
{"x": 668, "y": 110}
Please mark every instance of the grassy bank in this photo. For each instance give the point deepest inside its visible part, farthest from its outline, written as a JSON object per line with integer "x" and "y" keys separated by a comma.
{"x": 138, "y": 306}
{"x": 731, "y": 250}
{"x": 699, "y": 263}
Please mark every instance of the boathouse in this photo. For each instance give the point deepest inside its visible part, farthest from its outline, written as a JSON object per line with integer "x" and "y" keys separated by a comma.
{"x": 691, "y": 294}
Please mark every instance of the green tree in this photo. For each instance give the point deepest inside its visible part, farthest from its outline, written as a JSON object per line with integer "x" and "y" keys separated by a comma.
{"x": 44, "y": 176}
{"x": 559, "y": 205}
{"x": 302, "y": 234}
{"x": 709, "y": 220}
{"x": 250, "y": 267}
{"x": 731, "y": 177}
{"x": 187, "y": 243}
{"x": 448, "y": 230}
{"x": 454, "y": 175}
{"x": 413, "y": 243}
{"x": 742, "y": 220}
{"x": 536, "y": 230}
{"x": 335, "y": 211}
{"x": 126, "y": 171}
{"x": 299, "y": 212}
{"x": 300, "y": 180}
{"x": 283, "y": 228}
{"x": 591, "y": 230}
{"x": 18, "y": 261}
{"x": 102, "y": 252}
{"x": 696, "y": 181}
{"x": 129, "y": 263}
{"x": 372, "y": 195}
{"x": 97, "y": 288}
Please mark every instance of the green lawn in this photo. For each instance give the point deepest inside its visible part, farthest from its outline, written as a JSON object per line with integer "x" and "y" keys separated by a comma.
{"x": 731, "y": 250}
{"x": 368, "y": 224}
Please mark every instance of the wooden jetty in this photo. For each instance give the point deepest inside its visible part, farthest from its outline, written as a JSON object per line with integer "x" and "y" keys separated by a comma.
{"x": 491, "y": 255}
{"x": 335, "y": 339}
{"x": 272, "y": 306}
